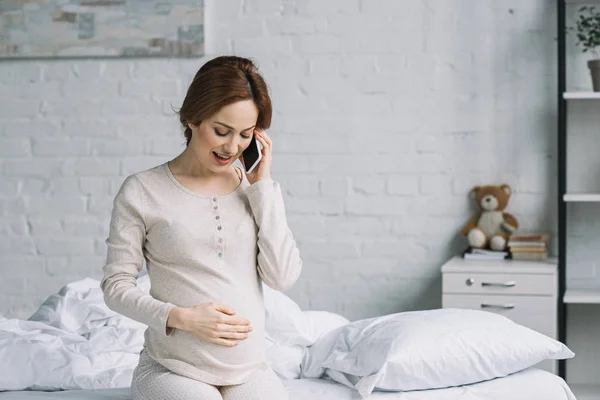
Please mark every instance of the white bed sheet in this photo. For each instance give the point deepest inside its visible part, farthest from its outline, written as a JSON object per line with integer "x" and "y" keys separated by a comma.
{"x": 531, "y": 384}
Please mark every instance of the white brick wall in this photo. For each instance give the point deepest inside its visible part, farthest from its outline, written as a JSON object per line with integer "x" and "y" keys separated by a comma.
{"x": 386, "y": 113}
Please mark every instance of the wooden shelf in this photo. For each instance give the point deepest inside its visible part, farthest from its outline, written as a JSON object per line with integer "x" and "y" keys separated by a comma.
{"x": 582, "y": 197}
{"x": 585, "y": 391}
{"x": 582, "y": 296}
{"x": 581, "y": 95}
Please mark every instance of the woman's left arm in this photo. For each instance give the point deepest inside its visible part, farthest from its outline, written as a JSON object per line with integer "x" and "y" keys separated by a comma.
{"x": 279, "y": 263}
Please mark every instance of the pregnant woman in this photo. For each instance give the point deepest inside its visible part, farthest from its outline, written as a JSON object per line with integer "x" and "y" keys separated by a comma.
{"x": 210, "y": 234}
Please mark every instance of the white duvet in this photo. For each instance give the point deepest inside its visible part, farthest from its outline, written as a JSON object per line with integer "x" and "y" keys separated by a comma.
{"x": 74, "y": 341}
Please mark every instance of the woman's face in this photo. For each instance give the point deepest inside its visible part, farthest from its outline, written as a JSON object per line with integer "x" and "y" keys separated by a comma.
{"x": 226, "y": 134}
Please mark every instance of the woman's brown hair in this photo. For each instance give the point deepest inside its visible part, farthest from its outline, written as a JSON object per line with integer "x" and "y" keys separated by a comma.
{"x": 222, "y": 81}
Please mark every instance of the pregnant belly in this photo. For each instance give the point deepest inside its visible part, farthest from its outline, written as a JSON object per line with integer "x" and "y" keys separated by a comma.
{"x": 207, "y": 356}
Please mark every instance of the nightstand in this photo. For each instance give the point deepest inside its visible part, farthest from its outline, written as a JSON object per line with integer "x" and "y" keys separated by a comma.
{"x": 524, "y": 291}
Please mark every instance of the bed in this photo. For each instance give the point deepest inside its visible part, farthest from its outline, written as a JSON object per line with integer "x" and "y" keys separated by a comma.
{"x": 74, "y": 347}
{"x": 531, "y": 384}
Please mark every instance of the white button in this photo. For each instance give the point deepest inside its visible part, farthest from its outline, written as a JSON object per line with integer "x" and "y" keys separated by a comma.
{"x": 217, "y": 217}
{"x": 215, "y": 207}
{"x": 219, "y": 228}
{"x": 214, "y": 199}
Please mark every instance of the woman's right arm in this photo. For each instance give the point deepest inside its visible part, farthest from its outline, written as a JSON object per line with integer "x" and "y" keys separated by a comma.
{"x": 125, "y": 260}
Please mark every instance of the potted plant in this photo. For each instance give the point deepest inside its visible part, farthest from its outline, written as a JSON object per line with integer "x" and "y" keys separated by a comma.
{"x": 588, "y": 38}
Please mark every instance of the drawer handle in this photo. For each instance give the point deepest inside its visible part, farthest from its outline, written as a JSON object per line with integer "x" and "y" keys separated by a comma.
{"x": 500, "y": 284}
{"x": 501, "y": 306}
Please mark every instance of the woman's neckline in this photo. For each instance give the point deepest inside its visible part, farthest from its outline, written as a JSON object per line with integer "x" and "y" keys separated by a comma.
{"x": 201, "y": 195}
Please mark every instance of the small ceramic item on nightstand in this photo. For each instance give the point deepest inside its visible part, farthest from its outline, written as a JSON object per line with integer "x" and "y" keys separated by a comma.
{"x": 491, "y": 227}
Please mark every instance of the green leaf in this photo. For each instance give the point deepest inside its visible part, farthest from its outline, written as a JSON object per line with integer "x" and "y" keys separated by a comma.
{"x": 587, "y": 28}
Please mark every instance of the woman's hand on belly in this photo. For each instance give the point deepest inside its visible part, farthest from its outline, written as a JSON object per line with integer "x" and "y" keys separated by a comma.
{"x": 211, "y": 322}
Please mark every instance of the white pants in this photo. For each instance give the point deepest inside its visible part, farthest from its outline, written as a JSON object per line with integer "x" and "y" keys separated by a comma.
{"x": 152, "y": 381}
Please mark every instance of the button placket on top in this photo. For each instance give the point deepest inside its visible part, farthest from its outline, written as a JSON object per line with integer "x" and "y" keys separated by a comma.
{"x": 218, "y": 227}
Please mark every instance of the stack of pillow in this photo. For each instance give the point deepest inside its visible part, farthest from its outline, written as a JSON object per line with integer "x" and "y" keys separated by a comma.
{"x": 401, "y": 352}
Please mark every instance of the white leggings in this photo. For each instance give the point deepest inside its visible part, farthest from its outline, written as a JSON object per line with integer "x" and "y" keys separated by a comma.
{"x": 152, "y": 381}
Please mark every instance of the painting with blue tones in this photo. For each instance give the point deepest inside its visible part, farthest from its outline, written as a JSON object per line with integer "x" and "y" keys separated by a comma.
{"x": 101, "y": 28}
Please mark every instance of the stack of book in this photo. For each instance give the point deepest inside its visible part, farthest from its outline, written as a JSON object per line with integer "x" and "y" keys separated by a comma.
{"x": 532, "y": 246}
{"x": 484, "y": 254}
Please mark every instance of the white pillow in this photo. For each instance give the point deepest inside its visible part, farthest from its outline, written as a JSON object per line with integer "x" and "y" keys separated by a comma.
{"x": 285, "y": 323}
{"x": 427, "y": 350}
{"x": 322, "y": 322}
{"x": 285, "y": 360}
{"x": 289, "y": 331}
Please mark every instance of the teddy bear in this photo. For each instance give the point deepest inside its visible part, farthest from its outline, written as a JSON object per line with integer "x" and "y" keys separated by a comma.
{"x": 491, "y": 226}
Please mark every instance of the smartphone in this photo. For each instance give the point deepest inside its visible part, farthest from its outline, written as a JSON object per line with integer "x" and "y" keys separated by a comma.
{"x": 252, "y": 155}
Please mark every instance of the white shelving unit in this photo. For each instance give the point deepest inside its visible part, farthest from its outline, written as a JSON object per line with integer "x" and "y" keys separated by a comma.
{"x": 573, "y": 198}
{"x": 582, "y": 296}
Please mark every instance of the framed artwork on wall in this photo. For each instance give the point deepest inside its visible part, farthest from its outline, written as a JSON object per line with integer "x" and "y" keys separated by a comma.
{"x": 101, "y": 28}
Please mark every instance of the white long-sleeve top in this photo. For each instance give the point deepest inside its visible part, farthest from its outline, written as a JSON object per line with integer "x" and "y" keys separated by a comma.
{"x": 198, "y": 249}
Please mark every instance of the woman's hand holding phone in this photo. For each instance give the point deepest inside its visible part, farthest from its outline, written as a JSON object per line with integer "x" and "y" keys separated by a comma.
{"x": 263, "y": 169}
